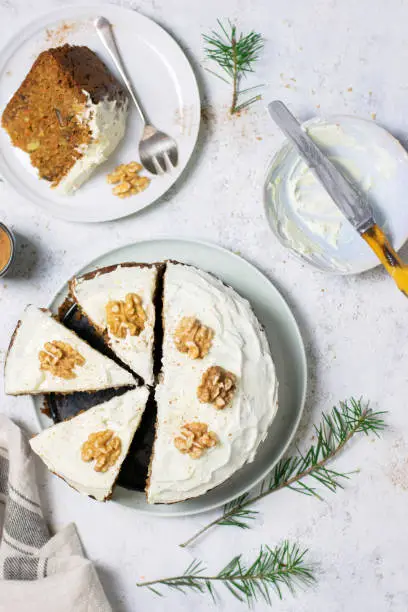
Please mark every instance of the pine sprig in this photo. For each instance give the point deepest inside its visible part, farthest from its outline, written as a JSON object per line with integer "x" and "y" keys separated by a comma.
{"x": 236, "y": 54}
{"x": 305, "y": 472}
{"x": 273, "y": 570}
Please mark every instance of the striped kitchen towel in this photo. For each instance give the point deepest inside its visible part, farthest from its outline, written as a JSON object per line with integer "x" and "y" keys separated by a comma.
{"x": 37, "y": 571}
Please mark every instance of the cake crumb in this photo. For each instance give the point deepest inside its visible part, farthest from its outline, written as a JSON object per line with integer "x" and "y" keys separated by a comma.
{"x": 373, "y": 116}
{"x": 58, "y": 36}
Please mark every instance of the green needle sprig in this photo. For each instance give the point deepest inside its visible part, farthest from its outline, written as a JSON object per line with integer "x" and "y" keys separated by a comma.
{"x": 236, "y": 55}
{"x": 272, "y": 570}
{"x": 304, "y": 471}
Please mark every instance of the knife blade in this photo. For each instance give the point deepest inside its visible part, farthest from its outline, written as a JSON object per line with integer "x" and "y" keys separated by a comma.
{"x": 347, "y": 196}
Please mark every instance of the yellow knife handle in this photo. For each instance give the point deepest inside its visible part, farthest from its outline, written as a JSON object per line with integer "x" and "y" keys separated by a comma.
{"x": 391, "y": 261}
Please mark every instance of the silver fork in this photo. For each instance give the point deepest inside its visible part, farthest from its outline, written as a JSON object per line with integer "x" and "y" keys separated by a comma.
{"x": 158, "y": 151}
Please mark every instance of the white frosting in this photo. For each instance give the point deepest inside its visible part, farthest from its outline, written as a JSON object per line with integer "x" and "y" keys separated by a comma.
{"x": 306, "y": 217}
{"x": 239, "y": 345}
{"x": 59, "y": 446}
{"x": 22, "y": 370}
{"x": 107, "y": 123}
{"x": 93, "y": 294}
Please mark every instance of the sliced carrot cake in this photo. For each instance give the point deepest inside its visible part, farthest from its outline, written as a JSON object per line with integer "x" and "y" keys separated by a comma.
{"x": 218, "y": 393}
{"x": 88, "y": 450}
{"x": 69, "y": 114}
{"x": 119, "y": 301}
{"x": 45, "y": 357}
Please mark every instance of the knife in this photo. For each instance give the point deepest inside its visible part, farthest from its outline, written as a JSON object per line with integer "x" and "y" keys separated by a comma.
{"x": 347, "y": 196}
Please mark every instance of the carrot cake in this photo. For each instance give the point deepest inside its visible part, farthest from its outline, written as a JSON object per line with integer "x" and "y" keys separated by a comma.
{"x": 69, "y": 114}
{"x": 119, "y": 301}
{"x": 45, "y": 357}
{"x": 88, "y": 450}
{"x": 218, "y": 393}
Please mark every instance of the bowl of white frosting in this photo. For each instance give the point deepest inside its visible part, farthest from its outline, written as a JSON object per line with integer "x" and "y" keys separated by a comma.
{"x": 303, "y": 216}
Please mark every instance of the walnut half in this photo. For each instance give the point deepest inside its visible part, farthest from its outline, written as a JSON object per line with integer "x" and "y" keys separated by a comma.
{"x": 193, "y": 338}
{"x": 103, "y": 447}
{"x": 217, "y": 387}
{"x": 195, "y": 439}
{"x": 60, "y": 359}
{"x": 126, "y": 316}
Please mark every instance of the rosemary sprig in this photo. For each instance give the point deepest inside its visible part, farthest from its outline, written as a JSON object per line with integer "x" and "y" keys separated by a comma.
{"x": 271, "y": 571}
{"x": 334, "y": 432}
{"x": 236, "y": 55}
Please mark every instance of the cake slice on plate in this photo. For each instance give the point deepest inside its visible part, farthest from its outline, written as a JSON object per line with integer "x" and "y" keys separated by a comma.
{"x": 218, "y": 391}
{"x": 45, "y": 357}
{"x": 68, "y": 115}
{"x": 119, "y": 301}
{"x": 88, "y": 450}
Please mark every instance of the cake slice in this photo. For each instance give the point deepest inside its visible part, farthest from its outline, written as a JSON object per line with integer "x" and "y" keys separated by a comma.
{"x": 119, "y": 301}
{"x": 69, "y": 114}
{"x": 218, "y": 391}
{"x": 88, "y": 450}
{"x": 45, "y": 357}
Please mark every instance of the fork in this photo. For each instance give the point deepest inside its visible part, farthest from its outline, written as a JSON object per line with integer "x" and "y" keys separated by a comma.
{"x": 158, "y": 151}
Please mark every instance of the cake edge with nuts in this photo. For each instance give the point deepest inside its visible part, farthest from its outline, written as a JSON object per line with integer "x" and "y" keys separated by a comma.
{"x": 145, "y": 370}
{"x": 61, "y": 446}
{"x": 22, "y": 368}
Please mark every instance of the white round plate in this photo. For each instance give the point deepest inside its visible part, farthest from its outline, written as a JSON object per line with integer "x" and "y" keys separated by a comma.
{"x": 163, "y": 80}
{"x": 379, "y": 164}
{"x": 286, "y": 346}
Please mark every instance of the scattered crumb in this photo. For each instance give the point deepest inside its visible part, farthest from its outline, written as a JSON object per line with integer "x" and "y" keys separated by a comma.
{"x": 370, "y": 93}
{"x": 350, "y": 89}
{"x": 8, "y": 73}
{"x": 293, "y": 79}
{"x": 317, "y": 105}
{"x": 207, "y": 114}
{"x": 259, "y": 137}
{"x": 373, "y": 116}
{"x": 399, "y": 474}
{"x": 288, "y": 86}
{"x": 58, "y": 36}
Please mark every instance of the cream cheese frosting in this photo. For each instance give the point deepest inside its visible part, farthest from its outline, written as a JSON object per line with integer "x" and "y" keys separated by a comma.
{"x": 107, "y": 124}
{"x": 59, "y": 446}
{"x": 240, "y": 346}
{"x": 22, "y": 369}
{"x": 93, "y": 293}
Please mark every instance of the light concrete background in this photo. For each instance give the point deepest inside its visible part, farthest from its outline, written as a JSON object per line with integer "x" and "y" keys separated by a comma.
{"x": 321, "y": 57}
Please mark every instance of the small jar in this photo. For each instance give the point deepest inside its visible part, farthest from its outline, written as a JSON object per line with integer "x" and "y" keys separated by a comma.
{"x": 7, "y": 249}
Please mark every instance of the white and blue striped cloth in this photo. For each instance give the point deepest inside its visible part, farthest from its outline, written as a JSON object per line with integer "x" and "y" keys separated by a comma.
{"x": 37, "y": 571}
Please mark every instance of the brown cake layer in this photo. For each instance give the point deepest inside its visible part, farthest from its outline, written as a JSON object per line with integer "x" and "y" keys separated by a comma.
{"x": 43, "y": 116}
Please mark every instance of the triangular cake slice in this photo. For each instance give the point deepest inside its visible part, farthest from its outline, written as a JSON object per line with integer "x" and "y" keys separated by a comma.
{"x": 218, "y": 391}
{"x": 119, "y": 302}
{"x": 88, "y": 450}
{"x": 45, "y": 357}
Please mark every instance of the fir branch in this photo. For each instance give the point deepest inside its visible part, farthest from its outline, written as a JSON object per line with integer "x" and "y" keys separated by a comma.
{"x": 236, "y": 55}
{"x": 272, "y": 570}
{"x": 334, "y": 432}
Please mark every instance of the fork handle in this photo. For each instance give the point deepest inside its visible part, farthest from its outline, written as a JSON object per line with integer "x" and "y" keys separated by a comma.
{"x": 105, "y": 33}
{"x": 391, "y": 261}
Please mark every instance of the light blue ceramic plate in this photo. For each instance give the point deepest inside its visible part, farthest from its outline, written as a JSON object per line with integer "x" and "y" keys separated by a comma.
{"x": 286, "y": 346}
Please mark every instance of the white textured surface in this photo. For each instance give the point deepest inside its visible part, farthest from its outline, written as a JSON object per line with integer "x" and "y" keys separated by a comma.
{"x": 355, "y": 328}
